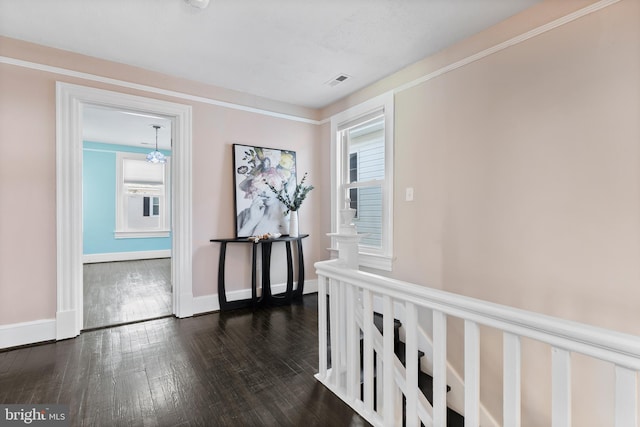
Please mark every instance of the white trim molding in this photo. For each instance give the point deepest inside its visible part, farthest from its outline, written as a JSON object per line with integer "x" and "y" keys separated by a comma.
{"x": 125, "y": 256}
{"x": 508, "y": 43}
{"x": 383, "y": 104}
{"x": 70, "y": 101}
{"x": 209, "y": 303}
{"x": 151, "y": 89}
{"x": 140, "y": 234}
{"x": 18, "y": 334}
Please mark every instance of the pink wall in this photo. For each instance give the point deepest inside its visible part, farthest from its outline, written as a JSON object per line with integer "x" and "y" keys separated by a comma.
{"x": 526, "y": 173}
{"x": 27, "y": 196}
{"x": 27, "y": 168}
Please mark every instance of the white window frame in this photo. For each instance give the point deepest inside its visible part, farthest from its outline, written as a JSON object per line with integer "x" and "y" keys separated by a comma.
{"x": 122, "y": 231}
{"x": 369, "y": 257}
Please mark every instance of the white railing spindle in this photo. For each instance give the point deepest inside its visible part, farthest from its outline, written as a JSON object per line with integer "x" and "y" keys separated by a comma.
{"x": 388, "y": 355}
{"x": 439, "y": 368}
{"x": 471, "y": 374}
{"x": 334, "y": 328}
{"x": 367, "y": 348}
{"x": 560, "y": 388}
{"x": 353, "y": 345}
{"x": 511, "y": 390}
{"x": 626, "y": 397}
{"x": 411, "y": 363}
{"x": 322, "y": 327}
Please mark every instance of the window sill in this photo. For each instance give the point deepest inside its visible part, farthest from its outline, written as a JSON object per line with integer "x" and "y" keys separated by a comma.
{"x": 379, "y": 262}
{"x": 140, "y": 234}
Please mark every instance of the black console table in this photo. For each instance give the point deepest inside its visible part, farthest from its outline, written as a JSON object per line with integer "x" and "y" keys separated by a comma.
{"x": 267, "y": 297}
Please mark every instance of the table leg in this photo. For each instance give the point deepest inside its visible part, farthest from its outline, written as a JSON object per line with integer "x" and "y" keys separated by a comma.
{"x": 300, "y": 290}
{"x": 222, "y": 295}
{"x": 254, "y": 267}
{"x": 266, "y": 272}
{"x": 289, "y": 290}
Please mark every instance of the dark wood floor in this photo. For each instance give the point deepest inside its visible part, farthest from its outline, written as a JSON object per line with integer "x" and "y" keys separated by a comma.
{"x": 126, "y": 291}
{"x": 239, "y": 368}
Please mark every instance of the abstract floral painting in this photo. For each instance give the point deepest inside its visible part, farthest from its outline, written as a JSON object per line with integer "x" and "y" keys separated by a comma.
{"x": 257, "y": 210}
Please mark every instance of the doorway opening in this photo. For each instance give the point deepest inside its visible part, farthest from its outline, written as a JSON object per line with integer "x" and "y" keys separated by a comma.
{"x": 71, "y": 100}
{"x": 126, "y": 216}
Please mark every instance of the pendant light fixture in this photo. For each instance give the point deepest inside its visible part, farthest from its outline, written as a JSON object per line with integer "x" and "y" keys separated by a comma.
{"x": 156, "y": 156}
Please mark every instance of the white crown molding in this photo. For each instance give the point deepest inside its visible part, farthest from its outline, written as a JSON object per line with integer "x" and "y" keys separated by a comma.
{"x": 151, "y": 89}
{"x": 508, "y": 43}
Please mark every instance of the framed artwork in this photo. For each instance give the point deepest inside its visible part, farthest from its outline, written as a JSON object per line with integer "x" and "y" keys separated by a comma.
{"x": 257, "y": 210}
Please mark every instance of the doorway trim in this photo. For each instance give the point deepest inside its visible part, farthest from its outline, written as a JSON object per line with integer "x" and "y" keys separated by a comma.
{"x": 70, "y": 101}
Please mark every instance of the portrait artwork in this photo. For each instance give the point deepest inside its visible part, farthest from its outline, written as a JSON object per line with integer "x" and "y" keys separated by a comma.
{"x": 257, "y": 209}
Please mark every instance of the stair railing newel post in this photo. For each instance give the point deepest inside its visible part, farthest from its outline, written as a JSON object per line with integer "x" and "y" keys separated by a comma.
{"x": 348, "y": 238}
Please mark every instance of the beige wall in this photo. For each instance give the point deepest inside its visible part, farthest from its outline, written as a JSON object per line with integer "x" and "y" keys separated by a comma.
{"x": 28, "y": 167}
{"x": 526, "y": 174}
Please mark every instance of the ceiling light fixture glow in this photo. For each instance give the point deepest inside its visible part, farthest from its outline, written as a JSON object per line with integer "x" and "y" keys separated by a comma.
{"x": 156, "y": 156}
{"x": 200, "y": 4}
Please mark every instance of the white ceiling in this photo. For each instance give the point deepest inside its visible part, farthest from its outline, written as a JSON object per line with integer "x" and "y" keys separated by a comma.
{"x": 111, "y": 126}
{"x": 285, "y": 50}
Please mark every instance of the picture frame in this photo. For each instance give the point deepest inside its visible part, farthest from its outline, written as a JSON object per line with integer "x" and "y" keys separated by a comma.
{"x": 257, "y": 210}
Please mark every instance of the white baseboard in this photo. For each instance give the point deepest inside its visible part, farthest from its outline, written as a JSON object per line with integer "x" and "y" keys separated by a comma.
{"x": 17, "y": 334}
{"x": 209, "y": 303}
{"x": 125, "y": 256}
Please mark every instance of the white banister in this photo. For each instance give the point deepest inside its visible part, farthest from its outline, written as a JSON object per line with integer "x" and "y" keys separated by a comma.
{"x": 471, "y": 374}
{"x": 439, "y": 368}
{"x": 353, "y": 297}
{"x": 511, "y": 380}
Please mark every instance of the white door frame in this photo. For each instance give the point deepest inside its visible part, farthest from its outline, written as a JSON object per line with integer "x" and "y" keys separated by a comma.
{"x": 70, "y": 101}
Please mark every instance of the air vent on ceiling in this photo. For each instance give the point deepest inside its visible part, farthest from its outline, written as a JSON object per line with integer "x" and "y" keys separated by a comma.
{"x": 340, "y": 78}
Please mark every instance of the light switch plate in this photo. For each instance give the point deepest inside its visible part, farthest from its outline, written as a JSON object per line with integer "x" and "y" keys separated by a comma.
{"x": 408, "y": 194}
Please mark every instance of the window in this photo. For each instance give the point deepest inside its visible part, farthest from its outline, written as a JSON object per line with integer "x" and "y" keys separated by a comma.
{"x": 362, "y": 147}
{"x": 142, "y": 197}
{"x": 151, "y": 206}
